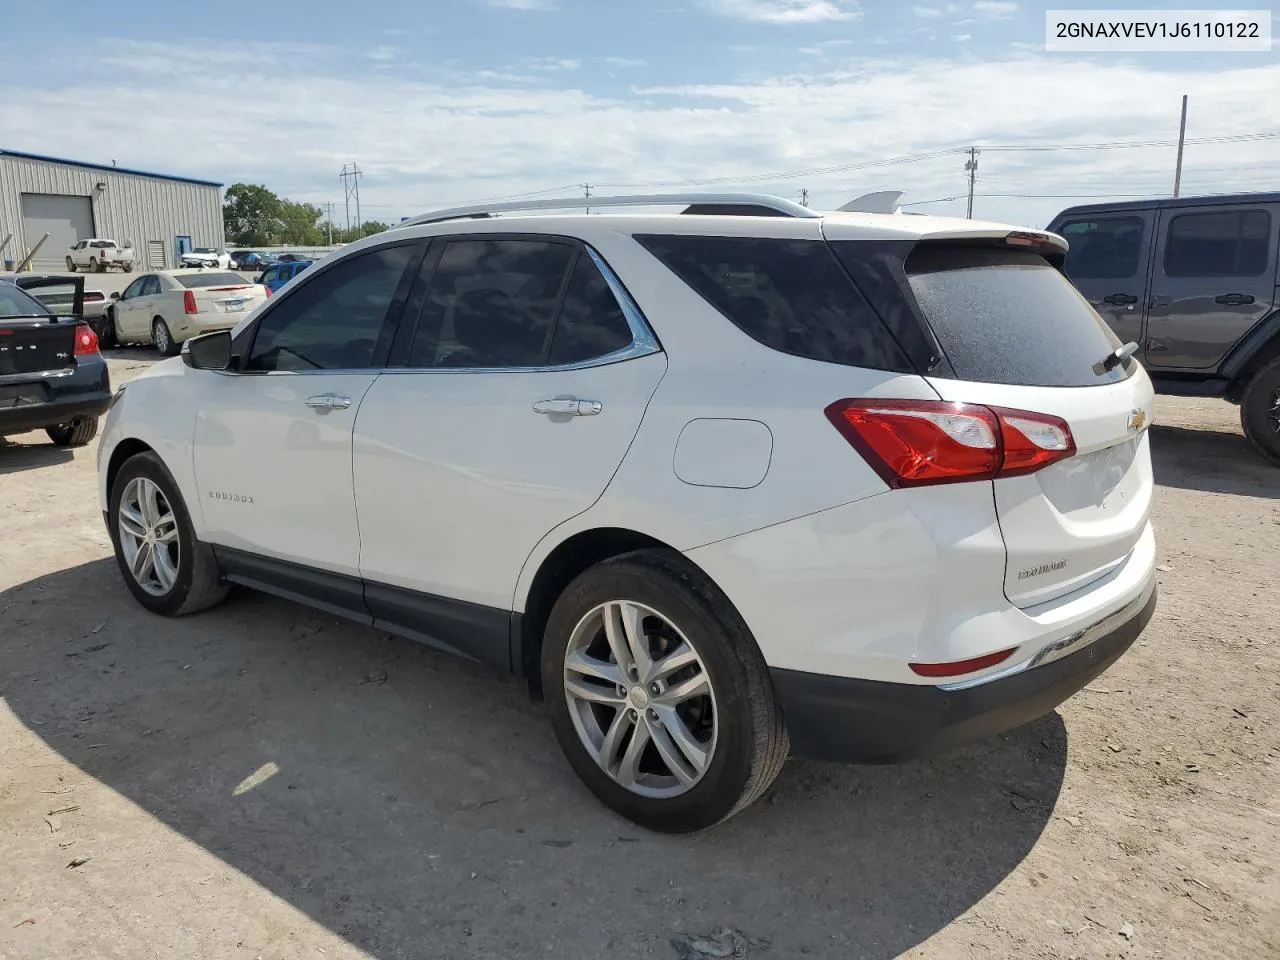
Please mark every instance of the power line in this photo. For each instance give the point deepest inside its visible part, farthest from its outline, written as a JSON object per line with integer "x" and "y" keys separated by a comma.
{"x": 1127, "y": 144}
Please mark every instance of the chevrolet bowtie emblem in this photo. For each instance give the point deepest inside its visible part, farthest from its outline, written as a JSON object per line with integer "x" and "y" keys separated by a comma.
{"x": 1137, "y": 419}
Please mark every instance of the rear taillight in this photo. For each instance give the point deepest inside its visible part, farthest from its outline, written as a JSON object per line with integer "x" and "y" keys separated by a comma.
{"x": 911, "y": 443}
{"x": 86, "y": 340}
{"x": 266, "y": 291}
{"x": 189, "y": 302}
{"x": 93, "y": 296}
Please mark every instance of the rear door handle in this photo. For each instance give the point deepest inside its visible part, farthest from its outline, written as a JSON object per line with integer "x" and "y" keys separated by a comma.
{"x": 1234, "y": 299}
{"x": 568, "y": 407}
{"x": 1120, "y": 299}
{"x": 328, "y": 401}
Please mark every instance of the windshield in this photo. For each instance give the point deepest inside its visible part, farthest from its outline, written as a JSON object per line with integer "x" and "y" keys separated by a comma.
{"x": 193, "y": 281}
{"x": 16, "y": 303}
{"x": 204, "y": 250}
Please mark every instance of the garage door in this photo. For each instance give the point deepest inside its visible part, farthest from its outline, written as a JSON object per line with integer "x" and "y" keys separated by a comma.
{"x": 67, "y": 220}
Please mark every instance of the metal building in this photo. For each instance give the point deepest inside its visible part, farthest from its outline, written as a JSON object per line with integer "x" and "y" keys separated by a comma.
{"x": 160, "y": 216}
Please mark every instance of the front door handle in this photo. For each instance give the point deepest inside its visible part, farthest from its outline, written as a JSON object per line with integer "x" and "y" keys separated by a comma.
{"x": 328, "y": 401}
{"x": 1120, "y": 299}
{"x": 568, "y": 407}
{"x": 1234, "y": 299}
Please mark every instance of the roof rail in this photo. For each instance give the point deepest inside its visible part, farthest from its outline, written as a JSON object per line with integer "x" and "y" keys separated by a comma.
{"x": 764, "y": 203}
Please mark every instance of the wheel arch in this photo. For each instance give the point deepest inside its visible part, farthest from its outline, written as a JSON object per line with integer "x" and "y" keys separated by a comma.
{"x": 558, "y": 568}
{"x": 124, "y": 450}
{"x": 1251, "y": 353}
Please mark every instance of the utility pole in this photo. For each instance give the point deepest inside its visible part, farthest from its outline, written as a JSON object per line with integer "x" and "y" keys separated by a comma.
{"x": 329, "y": 204}
{"x": 586, "y": 192}
{"x": 350, "y": 177}
{"x": 804, "y": 196}
{"x": 971, "y": 165}
{"x": 1182, "y": 138}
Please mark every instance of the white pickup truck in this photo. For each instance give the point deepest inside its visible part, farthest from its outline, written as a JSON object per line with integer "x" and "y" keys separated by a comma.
{"x": 98, "y": 255}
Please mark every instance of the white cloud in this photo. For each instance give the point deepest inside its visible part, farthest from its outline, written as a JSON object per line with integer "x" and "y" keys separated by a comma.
{"x": 554, "y": 64}
{"x": 429, "y": 139}
{"x": 542, "y": 5}
{"x": 625, "y": 63}
{"x": 786, "y": 11}
{"x": 996, "y": 9}
{"x": 825, "y": 47}
{"x": 928, "y": 13}
{"x": 382, "y": 53}
{"x": 961, "y": 37}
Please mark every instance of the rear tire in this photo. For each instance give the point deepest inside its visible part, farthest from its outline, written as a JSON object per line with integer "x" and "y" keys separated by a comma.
{"x": 729, "y": 741}
{"x": 163, "y": 339}
{"x": 107, "y": 332}
{"x": 1260, "y": 411}
{"x": 74, "y": 434}
{"x": 127, "y": 267}
{"x": 196, "y": 582}
{"x": 93, "y": 265}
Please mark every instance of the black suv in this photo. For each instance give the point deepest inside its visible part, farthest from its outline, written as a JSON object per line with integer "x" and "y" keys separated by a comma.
{"x": 1192, "y": 281}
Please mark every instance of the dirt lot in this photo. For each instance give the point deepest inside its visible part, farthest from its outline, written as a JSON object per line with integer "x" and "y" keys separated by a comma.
{"x": 264, "y": 781}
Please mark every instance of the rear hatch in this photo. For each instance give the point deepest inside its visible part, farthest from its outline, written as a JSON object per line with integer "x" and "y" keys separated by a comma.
{"x": 30, "y": 340}
{"x": 1018, "y": 335}
{"x": 223, "y": 292}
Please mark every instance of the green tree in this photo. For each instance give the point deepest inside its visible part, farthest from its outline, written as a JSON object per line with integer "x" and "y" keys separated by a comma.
{"x": 252, "y": 215}
{"x": 300, "y": 224}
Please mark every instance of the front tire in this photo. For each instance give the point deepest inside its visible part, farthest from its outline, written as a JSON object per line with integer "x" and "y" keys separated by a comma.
{"x": 71, "y": 265}
{"x": 164, "y": 566}
{"x": 1260, "y": 411}
{"x": 74, "y": 434}
{"x": 107, "y": 333}
{"x": 658, "y": 694}
{"x": 163, "y": 339}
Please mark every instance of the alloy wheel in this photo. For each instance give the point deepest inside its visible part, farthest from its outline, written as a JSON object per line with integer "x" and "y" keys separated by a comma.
{"x": 1274, "y": 413}
{"x": 149, "y": 536}
{"x": 640, "y": 699}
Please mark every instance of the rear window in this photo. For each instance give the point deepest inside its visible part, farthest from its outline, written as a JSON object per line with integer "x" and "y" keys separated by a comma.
{"x": 193, "y": 281}
{"x": 15, "y": 303}
{"x": 1009, "y": 317}
{"x": 790, "y": 295}
{"x": 103, "y": 244}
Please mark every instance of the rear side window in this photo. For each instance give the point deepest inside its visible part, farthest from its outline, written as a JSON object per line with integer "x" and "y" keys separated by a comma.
{"x": 790, "y": 295}
{"x": 1230, "y": 244}
{"x": 591, "y": 323}
{"x": 1009, "y": 317}
{"x": 1106, "y": 249}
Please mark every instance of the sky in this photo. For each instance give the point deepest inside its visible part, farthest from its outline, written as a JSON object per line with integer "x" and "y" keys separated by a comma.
{"x": 445, "y": 102}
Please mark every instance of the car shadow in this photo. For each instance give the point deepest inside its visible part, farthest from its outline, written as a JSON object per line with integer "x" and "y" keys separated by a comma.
{"x": 19, "y": 457}
{"x": 402, "y": 797}
{"x": 1211, "y": 460}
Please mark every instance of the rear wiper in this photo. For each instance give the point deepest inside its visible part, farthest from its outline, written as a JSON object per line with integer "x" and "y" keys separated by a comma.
{"x": 1116, "y": 357}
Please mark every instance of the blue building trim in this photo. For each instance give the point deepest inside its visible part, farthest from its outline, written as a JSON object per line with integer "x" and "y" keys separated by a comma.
{"x": 103, "y": 166}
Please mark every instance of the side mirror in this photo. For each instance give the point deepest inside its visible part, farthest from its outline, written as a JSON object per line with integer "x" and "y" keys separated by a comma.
{"x": 211, "y": 351}
{"x": 115, "y": 294}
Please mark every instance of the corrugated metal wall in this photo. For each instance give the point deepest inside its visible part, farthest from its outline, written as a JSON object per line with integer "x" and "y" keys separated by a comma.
{"x": 130, "y": 208}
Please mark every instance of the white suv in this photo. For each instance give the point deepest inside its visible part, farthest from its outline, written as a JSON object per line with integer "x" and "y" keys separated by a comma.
{"x": 720, "y": 484}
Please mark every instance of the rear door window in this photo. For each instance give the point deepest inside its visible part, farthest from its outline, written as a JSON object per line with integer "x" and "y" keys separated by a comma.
{"x": 491, "y": 304}
{"x": 1228, "y": 244}
{"x": 790, "y": 295}
{"x": 1103, "y": 249}
{"x": 591, "y": 324}
{"x": 1009, "y": 317}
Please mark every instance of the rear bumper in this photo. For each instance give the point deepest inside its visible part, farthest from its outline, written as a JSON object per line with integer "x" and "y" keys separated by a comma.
{"x": 843, "y": 718}
{"x": 83, "y": 392}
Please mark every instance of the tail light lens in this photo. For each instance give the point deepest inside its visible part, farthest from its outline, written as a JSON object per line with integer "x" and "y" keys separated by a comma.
{"x": 958, "y": 668}
{"x": 189, "y": 302}
{"x": 86, "y": 340}
{"x": 912, "y": 443}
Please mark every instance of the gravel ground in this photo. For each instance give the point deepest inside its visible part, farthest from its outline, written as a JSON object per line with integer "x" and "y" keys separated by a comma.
{"x": 265, "y": 781}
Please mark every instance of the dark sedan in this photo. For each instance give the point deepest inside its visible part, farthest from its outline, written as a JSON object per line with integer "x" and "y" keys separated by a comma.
{"x": 251, "y": 260}
{"x": 52, "y": 376}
